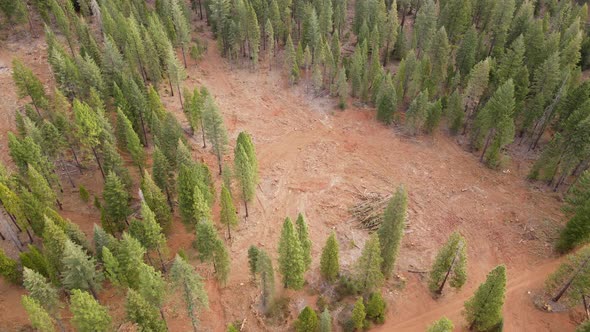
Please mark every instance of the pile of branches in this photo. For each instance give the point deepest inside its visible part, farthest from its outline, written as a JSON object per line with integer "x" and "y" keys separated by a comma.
{"x": 368, "y": 213}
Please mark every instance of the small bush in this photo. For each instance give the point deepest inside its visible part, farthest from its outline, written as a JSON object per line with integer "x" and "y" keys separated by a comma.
{"x": 278, "y": 310}
{"x": 84, "y": 194}
{"x": 97, "y": 203}
{"x": 346, "y": 287}
{"x": 9, "y": 269}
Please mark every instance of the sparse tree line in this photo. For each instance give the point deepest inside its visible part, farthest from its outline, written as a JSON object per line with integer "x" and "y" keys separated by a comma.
{"x": 109, "y": 61}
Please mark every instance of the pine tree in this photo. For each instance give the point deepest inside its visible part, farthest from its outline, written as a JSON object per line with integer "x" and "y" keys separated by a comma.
{"x": 115, "y": 204}
{"x": 88, "y": 314}
{"x": 148, "y": 232}
{"x": 161, "y": 173}
{"x": 392, "y": 229}
{"x": 201, "y": 208}
{"x": 571, "y": 280}
{"x": 54, "y": 242}
{"x": 253, "y": 252}
{"x": 307, "y": 321}
{"x": 40, "y": 188}
{"x": 267, "y": 280}
{"x": 291, "y": 257}
{"x": 454, "y": 112}
{"x": 143, "y": 313}
{"x": 132, "y": 141}
{"x": 386, "y": 101}
{"x": 483, "y": 310}
{"x": 303, "y": 234}
{"x": 228, "y": 215}
{"x": 79, "y": 270}
{"x": 129, "y": 255}
{"x": 215, "y": 129}
{"x": 40, "y": 319}
{"x": 41, "y": 291}
{"x": 329, "y": 261}
{"x": 375, "y": 308}
{"x": 152, "y": 287}
{"x": 494, "y": 123}
{"x": 450, "y": 261}
{"x": 367, "y": 269}
{"x": 35, "y": 260}
{"x": 439, "y": 53}
{"x": 185, "y": 278}
{"x": 181, "y": 26}
{"x": 466, "y": 53}
{"x": 88, "y": 129}
{"x": 425, "y": 26}
{"x": 245, "y": 173}
{"x": 155, "y": 199}
{"x": 342, "y": 88}
{"x": 442, "y": 325}
{"x": 358, "y": 314}
{"x": 9, "y": 269}
{"x": 417, "y": 113}
{"x": 476, "y": 85}
{"x": 433, "y": 115}
{"x": 326, "y": 320}
{"x": 28, "y": 84}
{"x": 211, "y": 248}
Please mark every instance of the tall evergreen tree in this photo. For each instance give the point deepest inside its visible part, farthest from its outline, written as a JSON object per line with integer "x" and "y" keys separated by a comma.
{"x": 88, "y": 314}
{"x": 358, "y": 314}
{"x": 28, "y": 84}
{"x": 132, "y": 142}
{"x": 326, "y": 318}
{"x": 303, "y": 234}
{"x": 291, "y": 257}
{"x": 450, "y": 261}
{"x": 40, "y": 319}
{"x": 495, "y": 124}
{"x": 245, "y": 169}
{"x": 307, "y": 321}
{"x": 185, "y": 278}
{"x": 156, "y": 201}
{"x": 148, "y": 232}
{"x": 41, "y": 291}
{"x": 143, "y": 313}
{"x": 115, "y": 206}
{"x": 215, "y": 129}
{"x": 367, "y": 269}
{"x": 571, "y": 280}
{"x": 227, "y": 216}
{"x": 161, "y": 172}
{"x": 466, "y": 53}
{"x": 152, "y": 287}
{"x": 425, "y": 26}
{"x": 392, "y": 229}
{"x": 329, "y": 261}
{"x": 267, "y": 280}
{"x": 79, "y": 269}
{"x": 476, "y": 85}
{"x": 483, "y": 310}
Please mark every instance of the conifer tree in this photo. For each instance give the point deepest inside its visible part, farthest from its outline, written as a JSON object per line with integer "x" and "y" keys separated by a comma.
{"x": 148, "y": 232}
{"x": 156, "y": 201}
{"x": 291, "y": 257}
{"x": 115, "y": 204}
{"x": 494, "y": 123}
{"x": 253, "y": 252}
{"x": 367, "y": 269}
{"x": 571, "y": 280}
{"x": 35, "y": 260}
{"x": 152, "y": 287}
{"x": 28, "y": 84}
{"x": 142, "y": 313}
{"x": 201, "y": 208}
{"x": 181, "y": 26}
{"x": 454, "y": 112}
{"x": 161, "y": 172}
{"x": 307, "y": 321}
{"x": 79, "y": 269}
{"x": 112, "y": 268}
{"x": 342, "y": 88}
{"x": 188, "y": 180}
{"x": 417, "y": 113}
{"x": 185, "y": 278}
{"x": 483, "y": 310}
{"x": 442, "y": 325}
{"x": 303, "y": 234}
{"x": 329, "y": 261}
{"x": 466, "y": 53}
{"x": 450, "y": 261}
{"x": 129, "y": 254}
{"x": 291, "y": 66}
{"x": 215, "y": 129}
{"x": 425, "y": 26}
{"x": 375, "y": 308}
{"x": 40, "y": 319}
{"x": 41, "y": 291}
{"x": 9, "y": 268}
{"x": 89, "y": 129}
{"x": 439, "y": 53}
{"x": 392, "y": 229}
{"x": 54, "y": 242}
{"x": 476, "y": 85}
{"x": 358, "y": 314}
{"x": 433, "y": 115}
{"x": 40, "y": 188}
{"x": 212, "y": 249}
{"x": 228, "y": 212}
{"x": 88, "y": 314}
{"x": 267, "y": 280}
{"x": 132, "y": 141}
{"x": 357, "y": 69}
{"x": 326, "y": 320}
{"x": 386, "y": 101}
{"x": 245, "y": 173}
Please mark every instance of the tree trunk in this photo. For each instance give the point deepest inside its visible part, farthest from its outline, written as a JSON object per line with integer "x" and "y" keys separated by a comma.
{"x": 63, "y": 166}
{"x": 98, "y": 162}
{"x": 183, "y": 55}
{"x": 14, "y": 222}
{"x": 440, "y": 289}
{"x": 93, "y": 292}
{"x": 145, "y": 139}
{"x": 485, "y": 148}
{"x": 76, "y": 159}
{"x": 59, "y": 204}
{"x": 169, "y": 200}
{"x": 229, "y": 231}
{"x": 2, "y": 236}
{"x": 179, "y": 95}
{"x": 585, "y": 306}
{"x": 170, "y": 83}
{"x": 161, "y": 259}
{"x": 29, "y": 235}
{"x": 570, "y": 281}
{"x": 203, "y": 131}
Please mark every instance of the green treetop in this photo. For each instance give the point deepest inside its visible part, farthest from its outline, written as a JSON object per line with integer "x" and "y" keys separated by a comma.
{"x": 450, "y": 262}
{"x": 88, "y": 314}
{"x": 483, "y": 310}
{"x": 291, "y": 258}
{"x": 329, "y": 262}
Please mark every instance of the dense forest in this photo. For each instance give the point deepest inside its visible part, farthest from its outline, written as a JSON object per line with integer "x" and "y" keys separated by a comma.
{"x": 506, "y": 78}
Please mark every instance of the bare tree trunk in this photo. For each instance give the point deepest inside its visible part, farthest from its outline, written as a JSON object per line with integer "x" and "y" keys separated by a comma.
{"x": 98, "y": 162}
{"x": 76, "y": 159}
{"x": 63, "y": 166}
{"x": 161, "y": 259}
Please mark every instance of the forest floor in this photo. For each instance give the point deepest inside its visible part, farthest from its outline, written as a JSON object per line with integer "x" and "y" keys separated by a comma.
{"x": 316, "y": 159}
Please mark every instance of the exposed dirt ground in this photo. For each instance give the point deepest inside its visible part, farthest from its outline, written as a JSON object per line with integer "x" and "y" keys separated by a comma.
{"x": 314, "y": 159}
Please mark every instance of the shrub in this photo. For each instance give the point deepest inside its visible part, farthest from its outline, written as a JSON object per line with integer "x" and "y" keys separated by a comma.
{"x": 84, "y": 194}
